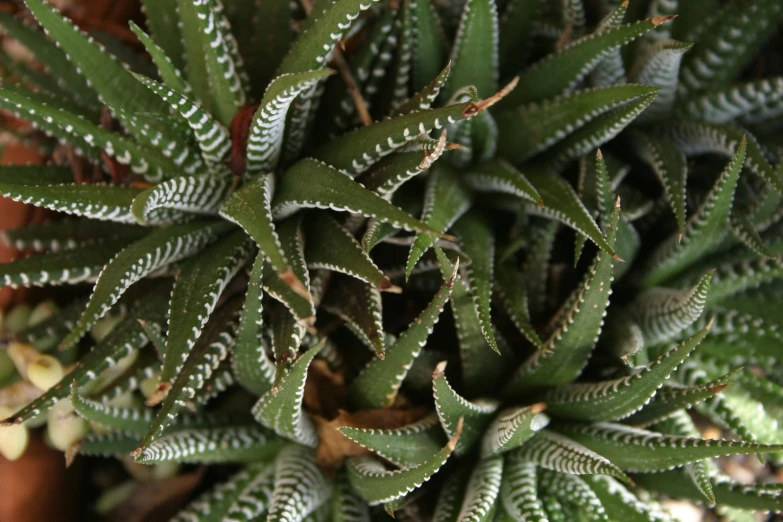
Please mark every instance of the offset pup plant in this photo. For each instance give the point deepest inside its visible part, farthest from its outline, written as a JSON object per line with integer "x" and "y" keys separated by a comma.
{"x": 508, "y": 264}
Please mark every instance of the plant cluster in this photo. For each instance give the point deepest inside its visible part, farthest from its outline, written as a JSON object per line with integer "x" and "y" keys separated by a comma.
{"x": 371, "y": 252}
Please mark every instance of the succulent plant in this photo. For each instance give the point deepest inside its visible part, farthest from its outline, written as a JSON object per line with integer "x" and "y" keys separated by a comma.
{"x": 273, "y": 245}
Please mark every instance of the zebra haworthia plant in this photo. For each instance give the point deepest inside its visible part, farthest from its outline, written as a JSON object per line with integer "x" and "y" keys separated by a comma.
{"x": 293, "y": 216}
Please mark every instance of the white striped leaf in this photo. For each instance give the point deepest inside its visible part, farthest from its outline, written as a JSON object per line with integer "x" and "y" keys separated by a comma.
{"x": 213, "y": 138}
{"x": 237, "y": 443}
{"x": 193, "y": 196}
{"x": 206, "y": 355}
{"x": 563, "y": 455}
{"x": 637, "y": 450}
{"x": 482, "y": 491}
{"x": 676, "y": 253}
{"x": 265, "y": 141}
{"x": 660, "y": 66}
{"x": 512, "y": 428}
{"x": 61, "y": 268}
{"x": 197, "y": 288}
{"x": 157, "y": 250}
{"x": 300, "y": 487}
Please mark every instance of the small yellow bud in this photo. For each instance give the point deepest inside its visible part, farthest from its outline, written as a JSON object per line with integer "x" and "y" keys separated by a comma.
{"x": 65, "y": 427}
{"x": 44, "y": 372}
{"x": 13, "y": 439}
{"x": 22, "y": 354}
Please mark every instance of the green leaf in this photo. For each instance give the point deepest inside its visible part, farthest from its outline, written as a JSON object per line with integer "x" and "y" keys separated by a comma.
{"x": 299, "y": 488}
{"x": 330, "y": 246}
{"x": 221, "y": 444}
{"x": 102, "y": 202}
{"x": 287, "y": 336}
{"x": 199, "y": 285}
{"x": 579, "y": 324}
{"x": 51, "y": 57}
{"x": 638, "y": 450}
{"x": 477, "y": 241}
{"x": 562, "y": 71}
{"x": 206, "y": 355}
{"x": 30, "y": 175}
{"x": 88, "y": 137}
{"x": 242, "y": 208}
{"x": 313, "y": 47}
{"x": 702, "y": 228}
{"x": 424, "y": 98}
{"x": 213, "y": 138}
{"x": 670, "y": 399}
{"x": 357, "y": 151}
{"x": 376, "y": 485}
{"x": 516, "y": 33}
{"x": 158, "y": 249}
{"x": 253, "y": 501}
{"x": 550, "y": 450}
{"x": 430, "y": 50}
{"x": 265, "y": 141}
{"x": 671, "y": 167}
{"x": 252, "y": 368}
{"x": 498, "y": 176}
{"x": 405, "y": 447}
{"x": 445, "y": 200}
{"x": 163, "y": 21}
{"x": 594, "y": 134}
{"x": 533, "y": 128}
{"x": 347, "y": 506}
{"x": 280, "y": 409}
{"x": 611, "y": 69}
{"x": 617, "y": 398}
{"x": 378, "y": 383}
{"x": 660, "y": 66}
{"x": 114, "y": 84}
{"x": 731, "y": 42}
{"x": 562, "y": 204}
{"x": 131, "y": 421}
{"x": 512, "y": 428}
{"x": 299, "y": 302}
{"x": 169, "y": 73}
{"x": 312, "y": 184}
{"x": 61, "y": 268}
{"x": 68, "y": 234}
{"x": 453, "y": 410}
{"x": 755, "y": 497}
{"x": 474, "y": 54}
{"x": 200, "y": 195}
{"x": 511, "y": 291}
{"x": 195, "y": 58}
{"x": 359, "y": 305}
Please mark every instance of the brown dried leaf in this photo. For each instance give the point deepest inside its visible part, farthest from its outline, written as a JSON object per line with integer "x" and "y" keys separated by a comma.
{"x": 325, "y": 390}
{"x": 156, "y": 501}
{"x": 334, "y": 447}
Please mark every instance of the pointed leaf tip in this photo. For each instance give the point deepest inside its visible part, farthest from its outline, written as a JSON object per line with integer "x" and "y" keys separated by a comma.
{"x": 440, "y": 370}
{"x": 475, "y": 108}
{"x": 658, "y": 20}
